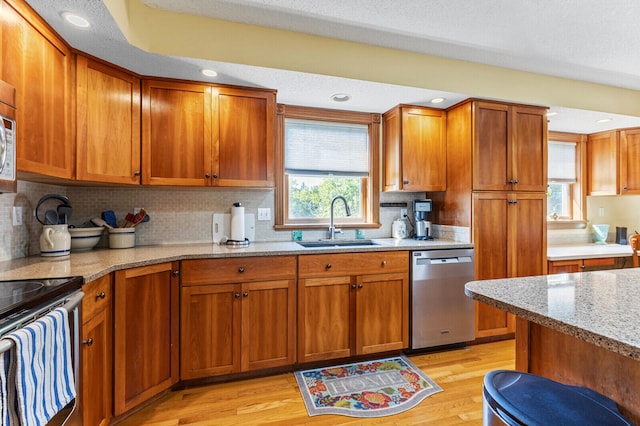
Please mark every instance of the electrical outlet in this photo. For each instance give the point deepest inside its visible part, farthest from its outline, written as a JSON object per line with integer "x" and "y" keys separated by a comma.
{"x": 403, "y": 213}
{"x": 601, "y": 211}
{"x": 264, "y": 213}
{"x": 17, "y": 215}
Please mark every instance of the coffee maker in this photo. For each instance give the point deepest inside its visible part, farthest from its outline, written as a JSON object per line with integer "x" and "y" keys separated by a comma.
{"x": 422, "y": 227}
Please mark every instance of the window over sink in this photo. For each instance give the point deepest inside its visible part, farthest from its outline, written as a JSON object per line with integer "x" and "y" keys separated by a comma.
{"x": 324, "y": 153}
{"x": 565, "y": 202}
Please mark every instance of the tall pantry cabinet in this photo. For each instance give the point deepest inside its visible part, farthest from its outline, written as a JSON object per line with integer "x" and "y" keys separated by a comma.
{"x": 496, "y": 185}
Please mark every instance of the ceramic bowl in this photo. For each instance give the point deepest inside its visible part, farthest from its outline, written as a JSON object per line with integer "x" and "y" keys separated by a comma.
{"x": 83, "y": 239}
{"x": 600, "y": 233}
{"x": 122, "y": 238}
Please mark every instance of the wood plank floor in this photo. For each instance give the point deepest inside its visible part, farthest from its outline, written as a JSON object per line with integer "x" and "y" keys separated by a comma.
{"x": 459, "y": 372}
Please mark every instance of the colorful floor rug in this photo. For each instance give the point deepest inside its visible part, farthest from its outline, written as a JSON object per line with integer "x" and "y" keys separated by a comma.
{"x": 365, "y": 389}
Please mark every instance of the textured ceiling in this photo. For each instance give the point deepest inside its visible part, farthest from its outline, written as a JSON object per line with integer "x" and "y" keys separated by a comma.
{"x": 579, "y": 39}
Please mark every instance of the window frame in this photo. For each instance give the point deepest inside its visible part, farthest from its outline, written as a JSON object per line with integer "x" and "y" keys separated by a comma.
{"x": 371, "y": 188}
{"x": 577, "y": 207}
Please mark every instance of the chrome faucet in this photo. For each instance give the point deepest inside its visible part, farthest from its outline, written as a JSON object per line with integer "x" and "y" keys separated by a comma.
{"x": 332, "y": 229}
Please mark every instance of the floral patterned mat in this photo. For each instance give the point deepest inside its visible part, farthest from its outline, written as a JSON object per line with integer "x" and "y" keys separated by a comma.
{"x": 365, "y": 389}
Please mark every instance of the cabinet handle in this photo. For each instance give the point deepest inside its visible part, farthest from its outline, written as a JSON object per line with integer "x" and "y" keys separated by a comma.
{"x": 176, "y": 272}
{"x": 328, "y": 266}
{"x": 215, "y": 176}
{"x": 241, "y": 269}
{"x": 384, "y": 263}
{"x": 136, "y": 173}
{"x": 88, "y": 342}
{"x": 237, "y": 295}
{"x": 207, "y": 175}
{"x": 360, "y": 286}
{"x": 100, "y": 295}
{"x": 245, "y": 294}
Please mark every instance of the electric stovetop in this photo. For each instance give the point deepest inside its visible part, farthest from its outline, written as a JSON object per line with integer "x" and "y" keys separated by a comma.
{"x": 21, "y": 295}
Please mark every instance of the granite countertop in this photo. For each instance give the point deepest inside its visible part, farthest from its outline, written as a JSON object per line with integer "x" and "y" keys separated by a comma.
{"x": 601, "y": 307}
{"x": 96, "y": 263}
{"x": 587, "y": 251}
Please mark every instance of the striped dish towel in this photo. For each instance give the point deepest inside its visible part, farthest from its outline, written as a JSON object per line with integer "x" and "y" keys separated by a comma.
{"x": 41, "y": 369}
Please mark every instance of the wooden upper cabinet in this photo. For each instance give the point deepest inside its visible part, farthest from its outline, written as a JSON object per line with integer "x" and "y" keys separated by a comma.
{"x": 243, "y": 151}
{"x": 107, "y": 124}
{"x": 414, "y": 149}
{"x": 203, "y": 135}
{"x": 509, "y": 147}
{"x": 176, "y": 133}
{"x": 39, "y": 65}
{"x": 630, "y": 161}
{"x": 603, "y": 155}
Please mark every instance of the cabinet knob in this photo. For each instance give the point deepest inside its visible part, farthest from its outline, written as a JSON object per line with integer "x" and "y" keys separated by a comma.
{"x": 515, "y": 181}
{"x": 237, "y": 295}
{"x": 405, "y": 182}
{"x": 215, "y": 176}
{"x": 513, "y": 201}
{"x": 100, "y": 295}
{"x": 176, "y": 272}
{"x": 360, "y": 285}
{"x": 353, "y": 286}
{"x": 136, "y": 173}
{"x": 207, "y": 175}
{"x": 384, "y": 263}
{"x": 88, "y": 342}
{"x": 241, "y": 269}
{"x": 245, "y": 294}
{"x": 624, "y": 188}
{"x": 328, "y": 266}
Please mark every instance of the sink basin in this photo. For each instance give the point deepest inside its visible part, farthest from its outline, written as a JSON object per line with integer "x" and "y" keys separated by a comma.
{"x": 337, "y": 243}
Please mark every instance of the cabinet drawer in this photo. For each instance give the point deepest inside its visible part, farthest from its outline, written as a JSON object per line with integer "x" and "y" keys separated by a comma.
{"x": 235, "y": 270}
{"x": 97, "y": 296}
{"x": 323, "y": 265}
{"x": 602, "y": 261}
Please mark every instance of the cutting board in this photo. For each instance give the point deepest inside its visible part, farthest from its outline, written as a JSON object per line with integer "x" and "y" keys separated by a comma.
{"x": 222, "y": 226}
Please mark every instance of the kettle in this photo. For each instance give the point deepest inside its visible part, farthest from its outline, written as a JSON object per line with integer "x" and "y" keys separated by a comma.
{"x": 399, "y": 229}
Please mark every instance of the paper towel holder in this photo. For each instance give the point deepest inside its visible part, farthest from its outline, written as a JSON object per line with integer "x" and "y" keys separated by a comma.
{"x": 237, "y": 243}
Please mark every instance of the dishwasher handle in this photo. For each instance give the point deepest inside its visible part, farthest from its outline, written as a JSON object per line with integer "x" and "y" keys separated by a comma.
{"x": 444, "y": 260}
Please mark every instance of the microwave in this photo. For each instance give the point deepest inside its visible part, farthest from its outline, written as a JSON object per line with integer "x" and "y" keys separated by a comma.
{"x": 8, "y": 181}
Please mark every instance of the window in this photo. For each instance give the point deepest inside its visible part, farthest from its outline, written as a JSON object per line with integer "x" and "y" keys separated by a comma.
{"x": 565, "y": 193}
{"x": 561, "y": 175}
{"x": 325, "y": 153}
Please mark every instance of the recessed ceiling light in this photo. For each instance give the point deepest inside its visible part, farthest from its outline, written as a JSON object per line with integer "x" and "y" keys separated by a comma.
{"x": 76, "y": 20}
{"x": 604, "y": 120}
{"x": 437, "y": 100}
{"x": 551, "y": 113}
{"x": 209, "y": 73}
{"x": 340, "y": 97}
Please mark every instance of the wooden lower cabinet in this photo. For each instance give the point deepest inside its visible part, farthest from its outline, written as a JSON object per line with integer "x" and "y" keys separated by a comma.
{"x": 146, "y": 324}
{"x": 352, "y": 304}
{"x": 584, "y": 265}
{"x": 97, "y": 345}
{"x": 234, "y": 319}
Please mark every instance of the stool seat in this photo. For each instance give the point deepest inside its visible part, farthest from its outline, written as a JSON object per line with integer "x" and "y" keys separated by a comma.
{"x": 516, "y": 398}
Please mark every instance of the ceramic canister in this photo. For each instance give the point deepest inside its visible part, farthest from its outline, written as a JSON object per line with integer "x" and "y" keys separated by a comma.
{"x": 55, "y": 240}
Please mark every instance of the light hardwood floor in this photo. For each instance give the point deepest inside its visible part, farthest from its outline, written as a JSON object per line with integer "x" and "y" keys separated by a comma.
{"x": 459, "y": 372}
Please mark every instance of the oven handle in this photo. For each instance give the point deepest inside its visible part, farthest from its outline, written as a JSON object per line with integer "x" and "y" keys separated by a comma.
{"x": 70, "y": 304}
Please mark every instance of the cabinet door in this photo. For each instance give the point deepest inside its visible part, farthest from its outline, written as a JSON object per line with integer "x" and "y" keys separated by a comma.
{"x": 491, "y": 154}
{"x": 108, "y": 124}
{"x": 324, "y": 318}
{"x": 630, "y": 161}
{"x": 564, "y": 266}
{"x": 210, "y": 330}
{"x": 145, "y": 333}
{"x": 491, "y": 241}
{"x": 382, "y": 313}
{"x": 96, "y": 369}
{"x": 268, "y": 324}
{"x": 176, "y": 134}
{"x": 244, "y": 150}
{"x": 38, "y": 64}
{"x": 527, "y": 234}
{"x": 424, "y": 156}
{"x": 602, "y": 162}
{"x": 528, "y": 149}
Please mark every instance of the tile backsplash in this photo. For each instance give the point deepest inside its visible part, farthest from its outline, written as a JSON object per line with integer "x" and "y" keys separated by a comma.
{"x": 177, "y": 215}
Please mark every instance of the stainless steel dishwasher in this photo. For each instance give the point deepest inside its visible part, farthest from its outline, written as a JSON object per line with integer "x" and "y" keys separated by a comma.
{"x": 441, "y": 314}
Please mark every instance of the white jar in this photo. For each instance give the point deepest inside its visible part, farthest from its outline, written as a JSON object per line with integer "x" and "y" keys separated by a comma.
{"x": 399, "y": 229}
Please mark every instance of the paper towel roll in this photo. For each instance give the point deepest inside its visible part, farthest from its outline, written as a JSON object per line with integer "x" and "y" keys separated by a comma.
{"x": 237, "y": 222}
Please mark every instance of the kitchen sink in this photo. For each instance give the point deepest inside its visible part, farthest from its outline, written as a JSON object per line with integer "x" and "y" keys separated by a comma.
{"x": 337, "y": 243}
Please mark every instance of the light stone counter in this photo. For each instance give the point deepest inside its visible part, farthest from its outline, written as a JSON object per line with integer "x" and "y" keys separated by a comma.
{"x": 96, "y": 263}
{"x": 587, "y": 251}
{"x": 601, "y": 308}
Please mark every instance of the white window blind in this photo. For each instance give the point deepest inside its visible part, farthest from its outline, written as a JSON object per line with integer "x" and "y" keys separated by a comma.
{"x": 317, "y": 147}
{"x": 562, "y": 162}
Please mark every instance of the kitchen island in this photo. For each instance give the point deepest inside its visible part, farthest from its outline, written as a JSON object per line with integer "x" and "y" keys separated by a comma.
{"x": 578, "y": 328}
